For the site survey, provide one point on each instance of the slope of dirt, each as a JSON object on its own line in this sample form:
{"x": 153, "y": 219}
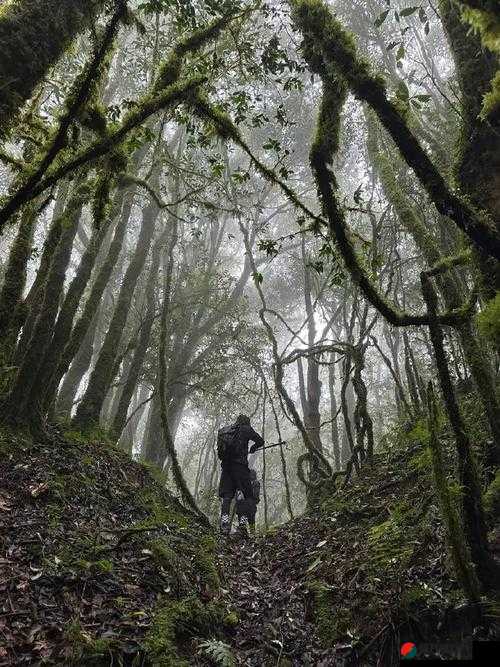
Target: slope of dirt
{"x": 97, "y": 561}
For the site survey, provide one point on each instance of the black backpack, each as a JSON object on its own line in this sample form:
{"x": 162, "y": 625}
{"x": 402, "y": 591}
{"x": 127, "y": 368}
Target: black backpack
{"x": 227, "y": 442}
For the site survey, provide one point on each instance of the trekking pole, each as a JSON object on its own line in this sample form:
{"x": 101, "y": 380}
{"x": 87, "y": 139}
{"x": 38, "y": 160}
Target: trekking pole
{"x": 276, "y": 444}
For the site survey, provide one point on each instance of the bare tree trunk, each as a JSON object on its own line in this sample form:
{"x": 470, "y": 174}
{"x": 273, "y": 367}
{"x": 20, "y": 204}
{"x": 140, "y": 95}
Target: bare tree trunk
{"x": 334, "y": 412}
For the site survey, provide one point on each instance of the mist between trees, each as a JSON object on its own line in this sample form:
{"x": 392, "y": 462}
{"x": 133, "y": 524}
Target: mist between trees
{"x": 289, "y": 210}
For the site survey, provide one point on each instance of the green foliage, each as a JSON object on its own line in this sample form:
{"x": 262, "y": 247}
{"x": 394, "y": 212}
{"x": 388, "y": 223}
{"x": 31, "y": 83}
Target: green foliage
{"x": 421, "y": 461}
{"x": 488, "y": 320}
{"x": 487, "y": 24}
{"x": 219, "y": 653}
{"x": 419, "y": 433}
{"x": 390, "y": 542}
{"x": 84, "y": 646}
{"x": 334, "y": 622}
{"x": 174, "y": 623}
{"x": 492, "y": 498}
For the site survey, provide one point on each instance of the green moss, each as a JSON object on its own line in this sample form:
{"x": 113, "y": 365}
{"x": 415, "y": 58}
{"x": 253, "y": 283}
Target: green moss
{"x": 85, "y": 648}
{"x": 231, "y": 619}
{"x": 421, "y": 461}
{"x": 174, "y": 623}
{"x": 488, "y": 320}
{"x": 491, "y": 101}
{"x": 492, "y": 498}
{"x": 333, "y": 622}
{"x": 388, "y": 541}
{"x": 204, "y": 563}
{"x": 419, "y": 433}
{"x": 487, "y": 24}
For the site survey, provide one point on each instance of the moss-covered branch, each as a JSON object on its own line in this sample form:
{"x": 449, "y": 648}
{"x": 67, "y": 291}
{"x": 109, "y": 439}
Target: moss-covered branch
{"x": 335, "y": 53}
{"x": 334, "y": 215}
{"x": 484, "y": 16}
{"x": 167, "y": 91}
{"x": 33, "y": 36}
{"x": 82, "y": 90}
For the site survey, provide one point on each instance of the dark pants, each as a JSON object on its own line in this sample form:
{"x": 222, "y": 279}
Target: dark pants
{"x": 234, "y": 477}
{"x": 251, "y": 513}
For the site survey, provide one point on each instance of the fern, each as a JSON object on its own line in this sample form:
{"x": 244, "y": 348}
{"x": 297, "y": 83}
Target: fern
{"x": 219, "y": 653}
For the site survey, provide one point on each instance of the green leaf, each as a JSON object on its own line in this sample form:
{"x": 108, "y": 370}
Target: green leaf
{"x": 400, "y": 54}
{"x": 402, "y": 91}
{"x": 272, "y": 145}
{"x": 408, "y": 11}
{"x": 390, "y": 46}
{"x": 258, "y": 277}
{"x": 358, "y": 198}
{"x": 422, "y": 98}
{"x": 381, "y": 18}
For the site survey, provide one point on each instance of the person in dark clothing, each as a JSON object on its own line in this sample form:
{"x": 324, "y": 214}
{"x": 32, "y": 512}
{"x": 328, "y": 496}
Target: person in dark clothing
{"x": 254, "y": 501}
{"x": 235, "y": 473}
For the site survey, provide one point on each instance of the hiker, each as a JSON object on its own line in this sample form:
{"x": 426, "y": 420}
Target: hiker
{"x": 254, "y": 501}
{"x": 232, "y": 449}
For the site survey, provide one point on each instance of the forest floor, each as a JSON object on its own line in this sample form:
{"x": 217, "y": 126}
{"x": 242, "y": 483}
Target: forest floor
{"x": 100, "y": 565}
{"x": 265, "y": 580}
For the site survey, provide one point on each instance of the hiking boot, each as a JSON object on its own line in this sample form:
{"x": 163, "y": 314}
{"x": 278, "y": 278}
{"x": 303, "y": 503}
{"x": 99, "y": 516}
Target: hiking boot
{"x": 225, "y": 525}
{"x": 243, "y": 528}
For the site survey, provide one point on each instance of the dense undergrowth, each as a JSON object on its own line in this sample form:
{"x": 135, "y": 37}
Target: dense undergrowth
{"x": 100, "y": 564}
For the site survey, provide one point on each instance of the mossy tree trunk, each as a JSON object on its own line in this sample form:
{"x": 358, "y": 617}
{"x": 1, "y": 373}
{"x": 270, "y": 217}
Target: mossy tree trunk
{"x": 134, "y": 371}
{"x": 15, "y": 273}
{"x": 123, "y": 202}
{"x": 334, "y": 412}
{"x": 30, "y": 308}
{"x": 471, "y": 498}
{"x": 89, "y": 408}
{"x": 478, "y": 164}
{"x": 454, "y": 528}
{"x": 74, "y": 376}
{"x": 69, "y": 307}
{"x": 477, "y": 361}
{"x": 19, "y": 406}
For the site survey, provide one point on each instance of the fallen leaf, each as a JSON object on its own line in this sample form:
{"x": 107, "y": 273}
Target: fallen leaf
{"x": 37, "y": 489}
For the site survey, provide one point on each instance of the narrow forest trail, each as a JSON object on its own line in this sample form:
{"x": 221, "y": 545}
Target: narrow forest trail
{"x": 264, "y": 582}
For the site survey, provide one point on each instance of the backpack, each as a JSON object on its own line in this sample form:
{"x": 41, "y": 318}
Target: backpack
{"x": 227, "y": 442}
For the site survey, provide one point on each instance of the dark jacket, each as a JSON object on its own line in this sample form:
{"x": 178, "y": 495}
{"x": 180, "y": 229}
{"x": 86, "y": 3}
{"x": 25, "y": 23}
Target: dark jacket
{"x": 245, "y": 435}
